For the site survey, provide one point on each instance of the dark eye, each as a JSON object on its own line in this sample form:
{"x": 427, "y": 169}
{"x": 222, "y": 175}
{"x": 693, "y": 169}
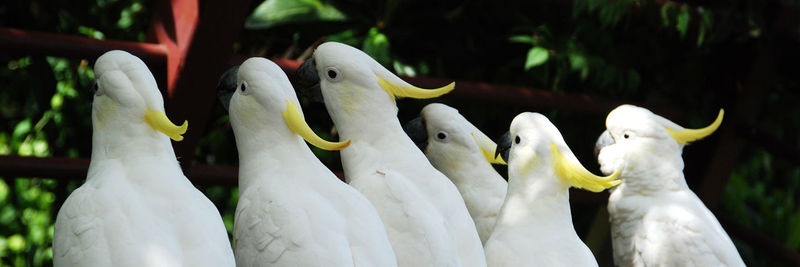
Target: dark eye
{"x": 441, "y": 135}
{"x": 332, "y": 74}
{"x": 626, "y": 136}
{"x": 517, "y": 140}
{"x": 244, "y": 87}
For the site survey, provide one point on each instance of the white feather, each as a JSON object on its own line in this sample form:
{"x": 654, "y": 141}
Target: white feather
{"x": 136, "y": 207}
{"x": 459, "y": 157}
{"x": 292, "y": 210}
{"x": 534, "y": 227}
{"x": 656, "y": 220}
{"x": 421, "y": 208}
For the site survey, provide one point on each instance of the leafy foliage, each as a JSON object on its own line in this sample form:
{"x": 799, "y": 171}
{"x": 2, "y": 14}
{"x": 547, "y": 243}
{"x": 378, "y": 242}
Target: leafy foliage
{"x": 692, "y": 56}
{"x": 276, "y": 12}
{"x": 46, "y": 112}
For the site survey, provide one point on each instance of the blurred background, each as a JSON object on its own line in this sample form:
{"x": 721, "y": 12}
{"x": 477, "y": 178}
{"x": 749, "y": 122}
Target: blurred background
{"x": 573, "y": 61}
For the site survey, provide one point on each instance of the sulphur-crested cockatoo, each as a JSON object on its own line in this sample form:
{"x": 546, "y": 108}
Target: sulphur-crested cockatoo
{"x": 656, "y": 220}
{"x": 534, "y": 227}
{"x": 292, "y": 210}
{"x": 464, "y": 154}
{"x": 425, "y": 216}
{"x": 136, "y": 207}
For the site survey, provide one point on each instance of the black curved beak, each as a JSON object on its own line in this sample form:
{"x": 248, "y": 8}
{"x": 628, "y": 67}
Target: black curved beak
{"x": 227, "y": 86}
{"x": 418, "y": 132}
{"x": 604, "y": 140}
{"x": 93, "y": 89}
{"x": 503, "y": 146}
{"x": 306, "y": 82}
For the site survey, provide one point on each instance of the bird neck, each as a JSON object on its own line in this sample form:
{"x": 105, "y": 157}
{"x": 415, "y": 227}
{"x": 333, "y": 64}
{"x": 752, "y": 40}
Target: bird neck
{"x": 472, "y": 173}
{"x": 364, "y": 120}
{"x": 381, "y": 148}
{"x": 540, "y": 198}
{"x": 377, "y": 138}
{"x": 130, "y": 141}
{"x": 269, "y": 150}
{"x": 661, "y": 176}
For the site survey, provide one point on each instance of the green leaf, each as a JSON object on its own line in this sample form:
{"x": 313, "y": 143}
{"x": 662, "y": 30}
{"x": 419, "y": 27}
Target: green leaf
{"x": 7, "y": 214}
{"x": 5, "y": 147}
{"x": 91, "y": 32}
{"x": 40, "y": 148}
{"x": 271, "y": 13}
{"x": 3, "y": 246}
{"x": 577, "y": 61}
{"x": 404, "y": 69}
{"x": 347, "y": 37}
{"x": 706, "y": 24}
{"x": 16, "y": 243}
{"x": 22, "y": 129}
{"x": 682, "y": 23}
{"x": 536, "y": 56}
{"x": 665, "y": 13}
{"x": 126, "y": 15}
{"x": 525, "y": 39}
{"x": 56, "y": 101}
{"x": 25, "y": 149}
{"x": 376, "y": 45}
{"x": 3, "y": 191}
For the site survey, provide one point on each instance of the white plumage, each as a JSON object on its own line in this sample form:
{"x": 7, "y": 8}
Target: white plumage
{"x": 656, "y": 220}
{"x": 425, "y": 216}
{"x": 136, "y": 207}
{"x": 464, "y": 154}
{"x": 534, "y": 227}
{"x": 292, "y": 210}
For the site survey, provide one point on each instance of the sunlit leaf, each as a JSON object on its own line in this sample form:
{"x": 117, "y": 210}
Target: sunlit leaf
{"x": 682, "y": 22}
{"x": 706, "y": 24}
{"x": 3, "y": 191}
{"x": 25, "y": 149}
{"x": 40, "y": 148}
{"x": 23, "y": 128}
{"x": 16, "y": 243}
{"x": 404, "y": 69}
{"x": 347, "y": 37}
{"x": 271, "y": 13}
{"x": 536, "y": 56}
{"x": 3, "y": 246}
{"x": 525, "y": 39}
{"x": 91, "y": 33}
{"x": 376, "y": 45}
{"x": 56, "y": 101}
{"x": 126, "y": 15}
{"x": 19, "y": 64}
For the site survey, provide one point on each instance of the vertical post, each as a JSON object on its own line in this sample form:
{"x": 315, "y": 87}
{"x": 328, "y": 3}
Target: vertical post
{"x": 199, "y": 42}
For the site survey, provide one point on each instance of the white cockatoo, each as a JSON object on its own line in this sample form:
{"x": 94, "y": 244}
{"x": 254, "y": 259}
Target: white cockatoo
{"x": 656, "y": 220}
{"x": 292, "y": 210}
{"x": 464, "y": 154}
{"x": 136, "y": 207}
{"x": 425, "y": 216}
{"x": 534, "y": 227}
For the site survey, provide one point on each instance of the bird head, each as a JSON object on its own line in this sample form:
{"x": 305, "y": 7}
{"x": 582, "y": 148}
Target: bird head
{"x": 637, "y": 141}
{"x": 448, "y": 139}
{"x": 258, "y": 96}
{"x": 352, "y": 82}
{"x": 534, "y": 145}
{"x": 127, "y": 100}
